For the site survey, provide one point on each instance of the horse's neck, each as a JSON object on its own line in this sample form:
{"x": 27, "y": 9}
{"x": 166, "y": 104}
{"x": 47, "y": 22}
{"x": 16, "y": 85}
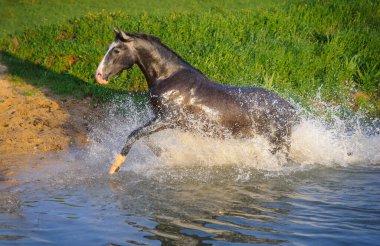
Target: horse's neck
{"x": 158, "y": 62}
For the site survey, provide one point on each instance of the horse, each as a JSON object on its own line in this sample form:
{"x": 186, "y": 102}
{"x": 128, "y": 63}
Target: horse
{"x": 182, "y": 97}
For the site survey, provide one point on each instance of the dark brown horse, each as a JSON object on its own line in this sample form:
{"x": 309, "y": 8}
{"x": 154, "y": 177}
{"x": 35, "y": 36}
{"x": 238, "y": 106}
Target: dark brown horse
{"x": 182, "y": 97}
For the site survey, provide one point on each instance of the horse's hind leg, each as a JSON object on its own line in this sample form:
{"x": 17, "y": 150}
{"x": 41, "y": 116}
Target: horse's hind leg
{"x": 152, "y": 126}
{"x": 280, "y": 141}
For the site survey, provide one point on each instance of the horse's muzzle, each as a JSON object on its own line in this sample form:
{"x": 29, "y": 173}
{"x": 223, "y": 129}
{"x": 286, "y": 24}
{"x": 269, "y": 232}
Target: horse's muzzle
{"x": 99, "y": 78}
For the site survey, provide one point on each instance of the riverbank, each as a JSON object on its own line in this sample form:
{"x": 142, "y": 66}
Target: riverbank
{"x": 34, "y": 121}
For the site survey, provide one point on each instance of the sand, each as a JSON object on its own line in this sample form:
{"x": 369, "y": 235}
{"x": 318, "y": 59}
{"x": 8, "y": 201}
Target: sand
{"x": 33, "y": 121}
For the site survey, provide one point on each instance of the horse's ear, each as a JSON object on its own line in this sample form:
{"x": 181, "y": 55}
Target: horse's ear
{"x": 116, "y": 30}
{"x": 125, "y": 37}
{"x": 122, "y": 35}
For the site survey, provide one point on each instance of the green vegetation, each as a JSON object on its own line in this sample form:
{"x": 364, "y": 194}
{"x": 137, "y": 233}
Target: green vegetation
{"x": 18, "y": 15}
{"x": 300, "y": 49}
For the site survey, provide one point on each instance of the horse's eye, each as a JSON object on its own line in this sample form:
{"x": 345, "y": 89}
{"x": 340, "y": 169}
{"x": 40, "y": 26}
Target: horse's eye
{"x": 116, "y": 51}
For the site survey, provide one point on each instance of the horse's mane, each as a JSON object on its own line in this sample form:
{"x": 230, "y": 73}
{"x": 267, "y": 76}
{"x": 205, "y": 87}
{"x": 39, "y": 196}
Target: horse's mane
{"x": 146, "y": 37}
{"x": 158, "y": 42}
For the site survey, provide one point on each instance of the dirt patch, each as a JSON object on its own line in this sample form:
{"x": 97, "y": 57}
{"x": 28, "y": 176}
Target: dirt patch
{"x": 34, "y": 122}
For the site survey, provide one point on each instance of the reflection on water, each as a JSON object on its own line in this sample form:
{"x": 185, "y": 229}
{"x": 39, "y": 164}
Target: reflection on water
{"x": 324, "y": 205}
{"x": 197, "y": 191}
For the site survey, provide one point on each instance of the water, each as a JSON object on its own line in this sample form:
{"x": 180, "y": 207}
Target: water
{"x": 180, "y": 189}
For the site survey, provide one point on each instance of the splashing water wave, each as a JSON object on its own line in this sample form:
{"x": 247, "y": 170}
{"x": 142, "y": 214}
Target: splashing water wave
{"x": 313, "y": 143}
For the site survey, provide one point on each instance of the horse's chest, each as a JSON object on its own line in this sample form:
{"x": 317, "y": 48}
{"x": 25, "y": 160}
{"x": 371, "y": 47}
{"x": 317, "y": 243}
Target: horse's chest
{"x": 170, "y": 100}
{"x": 184, "y": 103}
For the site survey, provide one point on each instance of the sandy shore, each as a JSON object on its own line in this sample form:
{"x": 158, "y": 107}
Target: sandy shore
{"x": 33, "y": 121}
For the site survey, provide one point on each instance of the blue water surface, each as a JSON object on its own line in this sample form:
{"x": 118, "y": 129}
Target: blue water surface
{"x": 317, "y": 206}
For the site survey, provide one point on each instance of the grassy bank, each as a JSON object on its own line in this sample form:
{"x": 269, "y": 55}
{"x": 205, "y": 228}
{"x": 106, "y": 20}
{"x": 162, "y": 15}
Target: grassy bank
{"x": 311, "y": 51}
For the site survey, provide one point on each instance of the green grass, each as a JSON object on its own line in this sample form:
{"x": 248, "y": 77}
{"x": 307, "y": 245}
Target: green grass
{"x": 18, "y": 15}
{"x": 300, "y": 49}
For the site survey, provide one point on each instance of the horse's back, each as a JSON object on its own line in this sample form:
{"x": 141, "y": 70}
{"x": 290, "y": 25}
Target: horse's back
{"x": 270, "y": 114}
{"x": 257, "y": 98}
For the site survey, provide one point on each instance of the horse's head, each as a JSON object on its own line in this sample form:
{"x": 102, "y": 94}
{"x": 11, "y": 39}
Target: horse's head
{"x": 119, "y": 56}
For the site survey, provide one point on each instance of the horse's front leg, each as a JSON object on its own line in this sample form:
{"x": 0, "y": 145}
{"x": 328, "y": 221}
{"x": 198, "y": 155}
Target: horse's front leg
{"x": 154, "y": 125}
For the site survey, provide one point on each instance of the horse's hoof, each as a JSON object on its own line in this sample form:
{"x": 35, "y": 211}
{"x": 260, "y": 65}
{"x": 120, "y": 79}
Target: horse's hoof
{"x": 116, "y": 164}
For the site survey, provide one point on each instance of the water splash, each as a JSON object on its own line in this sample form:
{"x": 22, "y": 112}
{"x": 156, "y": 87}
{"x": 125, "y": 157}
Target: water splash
{"x": 314, "y": 143}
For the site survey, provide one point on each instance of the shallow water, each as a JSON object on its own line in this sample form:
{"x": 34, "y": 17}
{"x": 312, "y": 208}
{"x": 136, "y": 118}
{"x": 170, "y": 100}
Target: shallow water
{"x": 318, "y": 206}
{"x": 194, "y": 191}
